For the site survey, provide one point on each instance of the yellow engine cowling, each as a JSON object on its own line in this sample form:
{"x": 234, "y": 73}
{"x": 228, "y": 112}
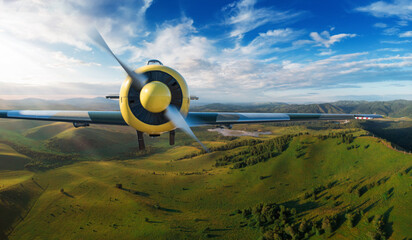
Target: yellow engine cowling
{"x": 144, "y": 116}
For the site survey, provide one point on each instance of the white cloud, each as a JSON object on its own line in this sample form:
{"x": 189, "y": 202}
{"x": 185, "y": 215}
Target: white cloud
{"x": 406, "y": 34}
{"x": 34, "y": 20}
{"x": 326, "y": 53}
{"x": 398, "y": 8}
{"x": 239, "y": 72}
{"x": 246, "y": 70}
{"x": 56, "y": 90}
{"x": 245, "y": 17}
{"x": 61, "y": 60}
{"x": 43, "y": 44}
{"x": 25, "y": 62}
{"x": 403, "y": 23}
{"x": 326, "y": 40}
{"x": 174, "y": 43}
{"x": 265, "y": 43}
{"x": 390, "y": 49}
{"x": 380, "y": 25}
{"x": 391, "y": 31}
{"x": 68, "y": 21}
{"x": 396, "y": 41}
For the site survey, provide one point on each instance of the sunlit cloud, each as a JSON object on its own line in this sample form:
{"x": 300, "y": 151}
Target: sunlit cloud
{"x": 380, "y": 25}
{"x": 327, "y": 40}
{"x": 406, "y": 34}
{"x": 397, "y": 8}
{"x": 244, "y": 16}
{"x": 259, "y": 52}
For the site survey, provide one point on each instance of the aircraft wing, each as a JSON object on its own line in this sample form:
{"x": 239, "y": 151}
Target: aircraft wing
{"x": 79, "y": 117}
{"x": 227, "y": 118}
{"x": 193, "y": 118}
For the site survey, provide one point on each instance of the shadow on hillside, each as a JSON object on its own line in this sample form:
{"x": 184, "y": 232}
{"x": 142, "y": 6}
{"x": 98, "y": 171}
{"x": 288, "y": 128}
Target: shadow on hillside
{"x": 15, "y": 203}
{"x": 302, "y": 207}
{"x": 142, "y": 194}
{"x": 388, "y": 225}
{"x": 368, "y": 208}
{"x": 169, "y": 210}
{"x": 264, "y": 177}
{"x": 213, "y": 235}
{"x": 37, "y": 184}
{"x": 68, "y": 194}
{"x": 3, "y": 236}
{"x": 219, "y": 229}
{"x": 212, "y": 232}
{"x": 153, "y": 221}
{"x": 392, "y": 131}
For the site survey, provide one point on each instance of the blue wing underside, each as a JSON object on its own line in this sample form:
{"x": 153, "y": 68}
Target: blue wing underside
{"x": 193, "y": 118}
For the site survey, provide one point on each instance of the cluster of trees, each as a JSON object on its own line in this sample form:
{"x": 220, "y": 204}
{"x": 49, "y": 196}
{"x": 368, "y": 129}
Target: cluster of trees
{"x": 256, "y": 152}
{"x": 45, "y": 161}
{"x": 300, "y": 150}
{"x": 345, "y": 137}
{"x": 42, "y": 160}
{"x": 317, "y": 190}
{"x": 270, "y": 218}
{"x": 228, "y": 146}
{"x": 359, "y": 191}
{"x": 279, "y": 222}
{"x": 352, "y": 217}
{"x": 379, "y": 232}
{"x": 353, "y": 147}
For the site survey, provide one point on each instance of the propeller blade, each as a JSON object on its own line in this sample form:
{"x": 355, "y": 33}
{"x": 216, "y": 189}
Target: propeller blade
{"x": 139, "y": 80}
{"x": 174, "y": 115}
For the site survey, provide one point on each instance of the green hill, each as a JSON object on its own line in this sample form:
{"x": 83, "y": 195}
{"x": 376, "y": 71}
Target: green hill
{"x": 398, "y": 132}
{"x": 16, "y": 200}
{"x": 319, "y": 184}
{"x": 10, "y": 159}
{"x": 47, "y": 131}
{"x": 100, "y": 142}
{"x": 397, "y": 108}
{"x": 163, "y": 197}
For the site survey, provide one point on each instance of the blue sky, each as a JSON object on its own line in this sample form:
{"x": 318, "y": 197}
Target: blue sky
{"x": 228, "y": 51}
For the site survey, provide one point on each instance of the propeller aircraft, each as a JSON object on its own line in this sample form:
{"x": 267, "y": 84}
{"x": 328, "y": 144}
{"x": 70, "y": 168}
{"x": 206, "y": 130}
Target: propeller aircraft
{"x": 154, "y": 99}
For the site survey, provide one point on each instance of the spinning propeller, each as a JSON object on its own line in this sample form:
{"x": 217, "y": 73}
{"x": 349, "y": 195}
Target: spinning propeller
{"x": 155, "y": 96}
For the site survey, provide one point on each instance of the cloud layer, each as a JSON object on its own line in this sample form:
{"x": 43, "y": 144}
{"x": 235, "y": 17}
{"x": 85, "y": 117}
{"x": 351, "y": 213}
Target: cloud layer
{"x": 259, "y": 54}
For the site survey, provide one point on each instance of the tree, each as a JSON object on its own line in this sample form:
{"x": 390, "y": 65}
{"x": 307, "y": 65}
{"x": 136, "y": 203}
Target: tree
{"x": 293, "y": 212}
{"x": 303, "y": 227}
{"x": 327, "y": 225}
{"x": 350, "y": 219}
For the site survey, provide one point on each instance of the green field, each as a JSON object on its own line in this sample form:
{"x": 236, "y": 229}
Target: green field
{"x": 167, "y": 195}
{"x": 10, "y": 159}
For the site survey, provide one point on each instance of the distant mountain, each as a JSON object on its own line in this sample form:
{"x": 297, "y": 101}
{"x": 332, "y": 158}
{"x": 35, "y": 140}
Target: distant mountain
{"x": 67, "y": 104}
{"x": 397, "y": 108}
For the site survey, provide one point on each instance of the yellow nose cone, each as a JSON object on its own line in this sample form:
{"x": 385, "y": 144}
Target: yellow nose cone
{"x": 155, "y": 96}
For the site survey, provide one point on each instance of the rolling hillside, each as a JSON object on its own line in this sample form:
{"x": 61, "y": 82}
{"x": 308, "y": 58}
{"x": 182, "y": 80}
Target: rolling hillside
{"x": 397, "y": 108}
{"x": 170, "y": 195}
{"x": 312, "y": 180}
{"x": 10, "y": 159}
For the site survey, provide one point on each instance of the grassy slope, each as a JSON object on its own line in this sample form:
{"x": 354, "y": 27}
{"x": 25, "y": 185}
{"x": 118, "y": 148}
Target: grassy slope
{"x": 10, "y": 178}
{"x": 16, "y": 201}
{"x": 46, "y": 131}
{"x": 397, "y": 131}
{"x": 10, "y": 159}
{"x": 188, "y": 204}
